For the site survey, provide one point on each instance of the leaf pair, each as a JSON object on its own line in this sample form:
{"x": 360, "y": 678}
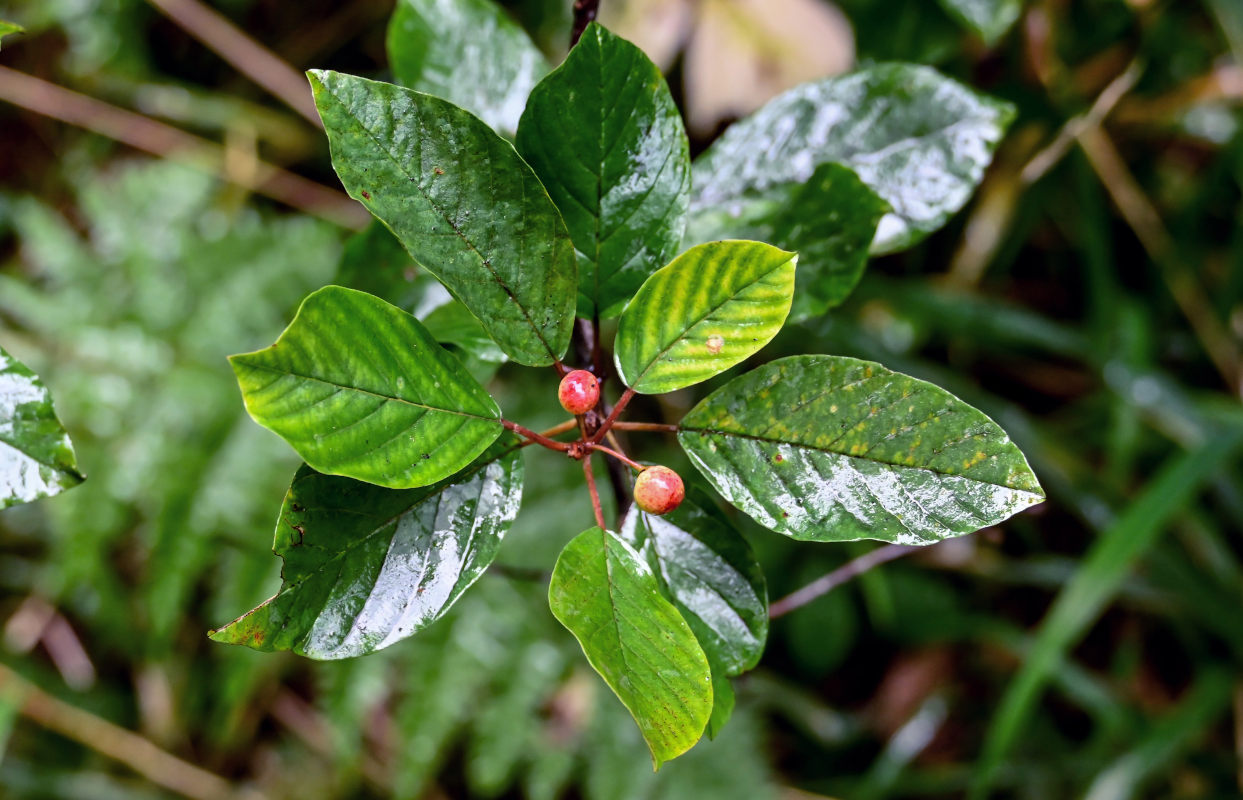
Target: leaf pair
{"x": 665, "y": 612}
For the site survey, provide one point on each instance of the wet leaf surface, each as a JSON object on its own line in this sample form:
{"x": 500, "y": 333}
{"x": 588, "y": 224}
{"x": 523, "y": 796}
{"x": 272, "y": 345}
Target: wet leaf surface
{"x": 989, "y": 18}
{"x": 605, "y": 594}
{"x": 829, "y": 221}
{"x": 919, "y": 139}
{"x": 366, "y": 566}
{"x": 360, "y": 388}
{"x": 709, "y": 572}
{"x": 604, "y": 135}
{"x": 464, "y": 205}
{"x": 468, "y": 52}
{"x": 830, "y": 448}
{"x": 36, "y": 456}
{"x": 710, "y": 308}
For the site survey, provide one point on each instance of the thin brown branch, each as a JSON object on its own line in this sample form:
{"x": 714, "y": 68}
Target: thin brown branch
{"x": 595, "y": 495}
{"x": 537, "y": 438}
{"x": 843, "y": 574}
{"x": 1149, "y": 228}
{"x": 557, "y": 430}
{"x": 245, "y": 54}
{"x": 622, "y": 402}
{"x": 157, "y": 138}
{"x": 622, "y": 457}
{"x": 139, "y": 754}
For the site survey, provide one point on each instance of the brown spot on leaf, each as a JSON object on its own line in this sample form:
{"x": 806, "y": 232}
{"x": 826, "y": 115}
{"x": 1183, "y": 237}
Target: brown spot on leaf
{"x": 438, "y": 170}
{"x": 779, "y": 458}
{"x": 715, "y": 343}
{"x": 366, "y": 195}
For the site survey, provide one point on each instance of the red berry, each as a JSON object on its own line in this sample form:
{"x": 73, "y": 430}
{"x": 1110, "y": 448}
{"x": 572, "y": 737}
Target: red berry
{"x": 658, "y": 490}
{"x": 579, "y": 392}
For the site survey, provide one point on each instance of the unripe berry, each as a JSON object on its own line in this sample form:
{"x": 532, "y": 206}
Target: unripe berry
{"x": 658, "y": 490}
{"x": 579, "y": 392}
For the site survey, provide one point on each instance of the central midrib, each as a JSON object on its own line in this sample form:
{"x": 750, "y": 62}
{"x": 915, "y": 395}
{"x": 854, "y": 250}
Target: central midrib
{"x": 360, "y": 390}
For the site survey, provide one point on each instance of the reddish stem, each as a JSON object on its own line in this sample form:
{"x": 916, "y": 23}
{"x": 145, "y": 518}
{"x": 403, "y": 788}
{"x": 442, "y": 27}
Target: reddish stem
{"x": 622, "y": 457}
{"x": 613, "y": 415}
{"x": 538, "y": 438}
{"x": 595, "y": 495}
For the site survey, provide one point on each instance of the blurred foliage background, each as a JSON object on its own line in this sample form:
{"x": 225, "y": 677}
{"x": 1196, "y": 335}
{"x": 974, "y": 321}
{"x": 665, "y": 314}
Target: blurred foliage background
{"x": 1090, "y": 298}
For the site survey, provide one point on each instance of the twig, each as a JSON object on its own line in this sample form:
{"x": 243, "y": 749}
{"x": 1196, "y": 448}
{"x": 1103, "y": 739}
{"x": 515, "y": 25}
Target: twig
{"x": 622, "y": 457}
{"x": 245, "y": 54}
{"x": 843, "y": 574}
{"x": 585, "y": 11}
{"x": 134, "y": 751}
{"x": 622, "y": 402}
{"x": 144, "y": 133}
{"x": 595, "y": 495}
{"x": 557, "y": 430}
{"x": 1146, "y": 222}
{"x": 537, "y": 438}
{"x": 1055, "y": 151}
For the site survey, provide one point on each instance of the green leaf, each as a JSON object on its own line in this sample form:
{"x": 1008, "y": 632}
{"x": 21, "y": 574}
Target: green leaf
{"x": 709, "y": 309}
{"x": 606, "y": 596}
{"x": 828, "y": 448}
{"x": 36, "y": 456}
{"x": 829, "y": 221}
{"x": 604, "y": 135}
{"x": 373, "y": 261}
{"x": 709, "y": 572}
{"x": 360, "y": 388}
{"x": 468, "y": 52}
{"x": 920, "y": 140}
{"x": 989, "y": 18}
{"x": 722, "y": 703}
{"x": 366, "y": 566}
{"x": 464, "y": 205}
{"x": 7, "y": 28}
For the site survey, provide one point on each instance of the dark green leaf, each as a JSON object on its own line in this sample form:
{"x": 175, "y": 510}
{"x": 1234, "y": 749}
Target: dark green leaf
{"x": 462, "y": 202}
{"x": 989, "y": 18}
{"x": 468, "y": 52}
{"x": 830, "y": 448}
{"x": 829, "y": 221}
{"x": 709, "y": 572}
{"x": 604, "y": 135}
{"x": 366, "y": 566}
{"x": 7, "y": 28}
{"x": 712, "y": 307}
{"x": 605, "y": 594}
{"x": 920, "y": 140}
{"x": 361, "y": 389}
{"x": 36, "y": 456}
{"x": 373, "y": 261}
{"x": 722, "y": 703}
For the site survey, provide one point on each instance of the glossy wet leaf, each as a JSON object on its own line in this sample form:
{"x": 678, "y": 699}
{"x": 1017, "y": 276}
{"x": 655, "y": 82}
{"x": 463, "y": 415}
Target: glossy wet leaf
{"x": 36, "y": 456}
{"x": 830, "y": 448}
{"x": 604, "y": 135}
{"x": 468, "y": 52}
{"x": 365, "y": 566}
{"x": 604, "y": 593}
{"x": 722, "y": 703}
{"x": 829, "y": 221}
{"x": 989, "y": 18}
{"x": 462, "y": 202}
{"x": 710, "y": 308}
{"x": 919, "y": 139}
{"x": 360, "y": 388}
{"x": 709, "y": 572}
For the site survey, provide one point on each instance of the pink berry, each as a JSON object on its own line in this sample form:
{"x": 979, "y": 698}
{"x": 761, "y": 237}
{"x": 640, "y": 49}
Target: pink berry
{"x": 579, "y": 392}
{"x": 658, "y": 490}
